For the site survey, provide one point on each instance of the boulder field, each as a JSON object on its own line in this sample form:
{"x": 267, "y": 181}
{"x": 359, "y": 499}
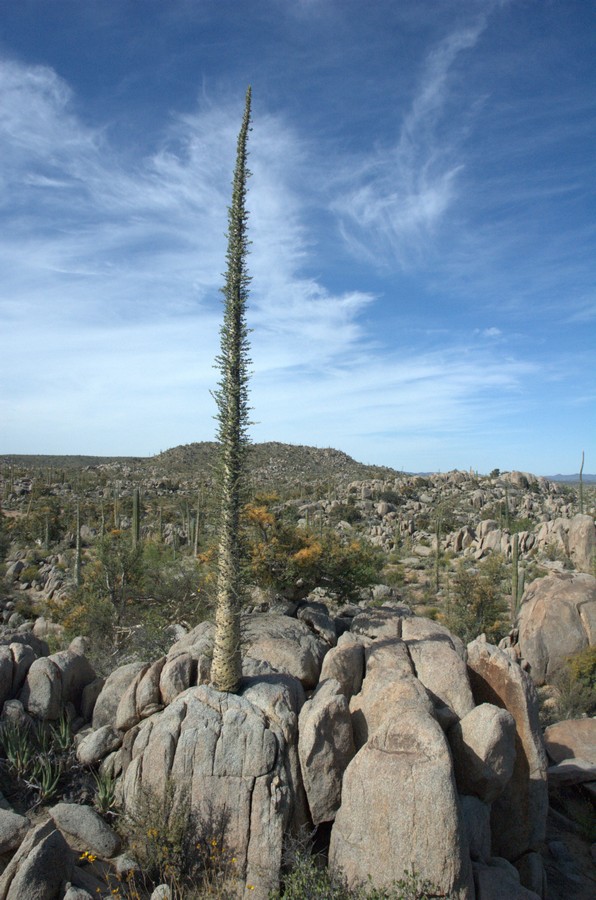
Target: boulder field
{"x": 377, "y": 728}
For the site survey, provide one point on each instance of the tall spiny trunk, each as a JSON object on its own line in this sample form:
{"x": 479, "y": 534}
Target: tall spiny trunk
{"x": 232, "y": 403}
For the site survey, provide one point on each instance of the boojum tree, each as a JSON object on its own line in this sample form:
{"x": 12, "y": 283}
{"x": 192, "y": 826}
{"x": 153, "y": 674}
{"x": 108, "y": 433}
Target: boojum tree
{"x": 232, "y": 416}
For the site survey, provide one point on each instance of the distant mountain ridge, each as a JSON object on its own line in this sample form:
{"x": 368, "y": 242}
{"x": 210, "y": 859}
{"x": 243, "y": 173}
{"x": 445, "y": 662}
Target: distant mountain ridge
{"x": 572, "y": 479}
{"x": 266, "y": 459}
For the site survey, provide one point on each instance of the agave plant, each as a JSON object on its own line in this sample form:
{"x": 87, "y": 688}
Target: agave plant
{"x": 45, "y": 777}
{"x": 19, "y": 747}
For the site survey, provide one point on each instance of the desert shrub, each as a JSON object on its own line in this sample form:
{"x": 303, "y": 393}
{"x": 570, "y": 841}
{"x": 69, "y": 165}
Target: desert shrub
{"x": 176, "y": 585}
{"x": 517, "y": 524}
{"x": 424, "y": 522}
{"x": 115, "y": 574}
{"x": 345, "y": 512}
{"x": 309, "y": 878}
{"x": 176, "y": 847}
{"x": 85, "y": 613}
{"x": 25, "y": 606}
{"x": 287, "y": 558}
{"x": 28, "y": 574}
{"x": 41, "y": 521}
{"x": 394, "y": 574}
{"x": 477, "y": 602}
{"x": 390, "y": 497}
{"x": 128, "y": 596}
{"x": 4, "y": 537}
{"x": 583, "y": 667}
{"x": 295, "y": 556}
{"x": 555, "y": 553}
{"x": 575, "y": 686}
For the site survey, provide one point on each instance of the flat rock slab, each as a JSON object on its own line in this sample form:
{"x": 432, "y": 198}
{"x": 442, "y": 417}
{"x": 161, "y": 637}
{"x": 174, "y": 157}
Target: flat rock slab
{"x": 570, "y": 772}
{"x": 573, "y": 738}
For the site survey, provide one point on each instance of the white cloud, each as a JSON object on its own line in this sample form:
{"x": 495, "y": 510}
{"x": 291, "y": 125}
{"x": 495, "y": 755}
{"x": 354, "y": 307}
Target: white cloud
{"x": 390, "y": 203}
{"x": 113, "y": 270}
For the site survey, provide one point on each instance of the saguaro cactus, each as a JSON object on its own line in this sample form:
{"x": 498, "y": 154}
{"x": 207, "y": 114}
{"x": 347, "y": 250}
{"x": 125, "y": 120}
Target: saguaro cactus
{"x": 77, "y": 566}
{"x": 136, "y": 517}
{"x": 518, "y": 578}
{"x": 232, "y": 404}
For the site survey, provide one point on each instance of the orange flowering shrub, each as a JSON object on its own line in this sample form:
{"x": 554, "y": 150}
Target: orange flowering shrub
{"x": 295, "y": 560}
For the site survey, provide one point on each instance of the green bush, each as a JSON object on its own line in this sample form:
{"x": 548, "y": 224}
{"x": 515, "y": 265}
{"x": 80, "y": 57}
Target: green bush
{"x": 345, "y": 512}
{"x": 128, "y": 596}
{"x": 575, "y": 686}
{"x": 583, "y": 667}
{"x": 390, "y": 497}
{"x": 174, "y": 846}
{"x": 4, "y": 538}
{"x": 309, "y": 879}
{"x": 28, "y": 574}
{"x": 296, "y": 558}
{"x": 477, "y": 601}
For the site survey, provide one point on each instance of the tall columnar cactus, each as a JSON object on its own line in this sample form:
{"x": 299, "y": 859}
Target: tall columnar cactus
{"x": 514, "y": 575}
{"x": 507, "y": 509}
{"x": 77, "y": 566}
{"x": 136, "y": 517}
{"x": 232, "y": 405}
{"x": 581, "y": 486}
{"x": 116, "y": 507}
{"x": 518, "y": 578}
{"x": 197, "y": 527}
{"x": 438, "y": 525}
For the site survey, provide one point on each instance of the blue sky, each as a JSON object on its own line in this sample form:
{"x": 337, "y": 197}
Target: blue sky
{"x": 422, "y": 212}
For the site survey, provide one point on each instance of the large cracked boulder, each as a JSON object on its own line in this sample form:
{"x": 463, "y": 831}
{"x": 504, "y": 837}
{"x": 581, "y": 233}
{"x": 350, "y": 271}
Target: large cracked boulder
{"x": 443, "y": 673}
{"x": 288, "y": 645}
{"x": 15, "y": 661}
{"x": 557, "y": 619}
{"x": 400, "y": 811}
{"x": 226, "y": 760}
{"x": 86, "y": 829}
{"x": 345, "y": 664}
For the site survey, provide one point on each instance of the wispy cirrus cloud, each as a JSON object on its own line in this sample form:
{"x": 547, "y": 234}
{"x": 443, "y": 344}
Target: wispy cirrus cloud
{"x": 103, "y": 253}
{"x": 391, "y": 201}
